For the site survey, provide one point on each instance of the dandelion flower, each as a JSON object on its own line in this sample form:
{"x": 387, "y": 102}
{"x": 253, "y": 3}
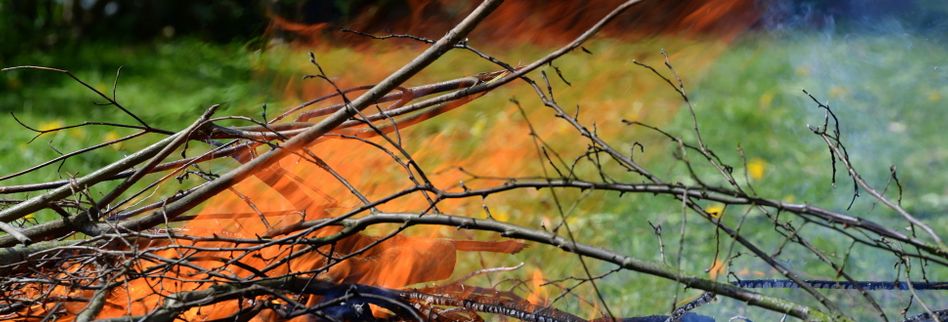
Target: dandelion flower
{"x": 50, "y": 125}
{"x": 756, "y": 168}
{"x": 112, "y": 136}
{"x": 716, "y": 210}
{"x": 934, "y": 96}
{"x": 766, "y": 99}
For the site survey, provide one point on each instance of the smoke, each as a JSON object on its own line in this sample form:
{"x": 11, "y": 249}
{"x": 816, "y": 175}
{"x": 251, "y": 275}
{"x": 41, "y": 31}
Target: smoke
{"x": 881, "y": 66}
{"x": 917, "y": 17}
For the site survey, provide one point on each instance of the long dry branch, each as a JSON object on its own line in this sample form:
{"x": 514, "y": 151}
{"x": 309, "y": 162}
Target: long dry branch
{"x": 324, "y": 126}
{"x": 272, "y": 130}
{"x": 353, "y": 226}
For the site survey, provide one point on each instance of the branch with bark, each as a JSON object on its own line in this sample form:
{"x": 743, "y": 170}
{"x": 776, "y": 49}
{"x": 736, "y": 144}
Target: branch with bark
{"x": 133, "y": 254}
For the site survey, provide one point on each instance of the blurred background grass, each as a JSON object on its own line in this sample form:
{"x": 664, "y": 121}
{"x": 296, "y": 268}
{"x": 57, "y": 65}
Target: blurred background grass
{"x": 888, "y": 89}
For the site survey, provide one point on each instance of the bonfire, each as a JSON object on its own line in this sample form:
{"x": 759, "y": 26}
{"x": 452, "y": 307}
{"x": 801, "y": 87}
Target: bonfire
{"x": 333, "y": 210}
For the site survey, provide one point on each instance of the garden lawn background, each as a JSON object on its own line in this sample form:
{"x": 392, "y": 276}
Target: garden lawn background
{"x": 889, "y": 93}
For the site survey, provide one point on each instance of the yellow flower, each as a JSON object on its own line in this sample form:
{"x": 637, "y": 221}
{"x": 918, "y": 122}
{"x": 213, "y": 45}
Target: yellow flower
{"x": 112, "y": 136}
{"x": 803, "y": 71}
{"x": 501, "y": 216}
{"x": 479, "y": 125}
{"x": 755, "y": 168}
{"x": 934, "y": 96}
{"x": 715, "y": 210}
{"x": 78, "y": 133}
{"x": 766, "y": 99}
{"x": 50, "y": 125}
{"x": 838, "y": 91}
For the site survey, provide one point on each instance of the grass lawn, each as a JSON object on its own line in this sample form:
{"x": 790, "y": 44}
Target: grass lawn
{"x": 747, "y": 94}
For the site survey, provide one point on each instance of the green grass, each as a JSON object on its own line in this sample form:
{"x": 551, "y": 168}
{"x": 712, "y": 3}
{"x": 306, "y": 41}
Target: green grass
{"x": 166, "y": 84}
{"x": 891, "y": 112}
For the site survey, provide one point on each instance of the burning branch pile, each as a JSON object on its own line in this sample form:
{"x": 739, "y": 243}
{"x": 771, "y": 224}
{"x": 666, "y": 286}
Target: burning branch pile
{"x": 307, "y": 215}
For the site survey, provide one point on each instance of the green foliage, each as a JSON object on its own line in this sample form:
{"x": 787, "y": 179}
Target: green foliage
{"x": 31, "y": 26}
{"x": 166, "y": 84}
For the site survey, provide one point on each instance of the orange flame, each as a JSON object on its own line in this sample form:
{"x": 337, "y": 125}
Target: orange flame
{"x": 538, "y": 294}
{"x": 395, "y": 263}
{"x": 297, "y": 190}
{"x": 531, "y": 21}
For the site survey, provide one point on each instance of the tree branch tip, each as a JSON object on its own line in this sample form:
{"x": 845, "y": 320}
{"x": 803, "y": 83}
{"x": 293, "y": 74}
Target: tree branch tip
{"x": 51, "y": 69}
